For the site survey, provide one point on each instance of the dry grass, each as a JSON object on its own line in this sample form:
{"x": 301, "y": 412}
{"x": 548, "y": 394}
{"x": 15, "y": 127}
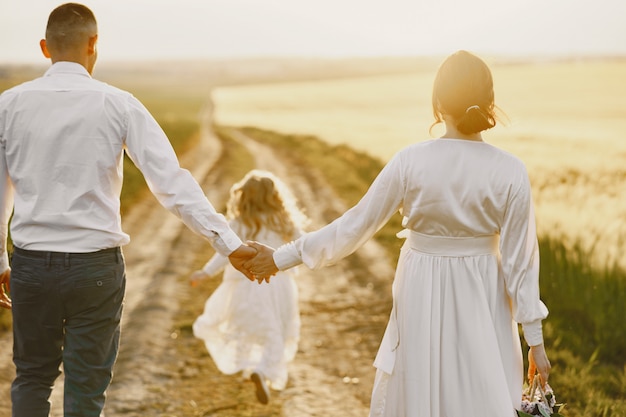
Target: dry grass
{"x": 564, "y": 119}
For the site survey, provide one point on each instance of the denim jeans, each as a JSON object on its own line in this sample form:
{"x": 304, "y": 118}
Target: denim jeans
{"x": 66, "y": 309}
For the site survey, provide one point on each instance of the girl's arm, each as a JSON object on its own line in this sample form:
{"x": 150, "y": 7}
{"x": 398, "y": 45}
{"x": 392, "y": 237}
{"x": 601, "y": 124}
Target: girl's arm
{"x": 213, "y": 267}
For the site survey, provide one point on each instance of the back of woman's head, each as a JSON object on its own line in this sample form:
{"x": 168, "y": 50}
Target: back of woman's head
{"x": 463, "y": 89}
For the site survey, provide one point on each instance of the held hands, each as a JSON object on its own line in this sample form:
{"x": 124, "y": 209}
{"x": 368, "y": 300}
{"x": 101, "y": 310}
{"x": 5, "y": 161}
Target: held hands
{"x": 538, "y": 362}
{"x": 262, "y": 266}
{"x": 242, "y": 254}
{"x": 254, "y": 260}
{"x": 5, "y": 288}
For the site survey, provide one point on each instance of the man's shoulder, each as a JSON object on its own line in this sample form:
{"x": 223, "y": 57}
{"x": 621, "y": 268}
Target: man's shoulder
{"x": 20, "y": 87}
{"x": 109, "y": 88}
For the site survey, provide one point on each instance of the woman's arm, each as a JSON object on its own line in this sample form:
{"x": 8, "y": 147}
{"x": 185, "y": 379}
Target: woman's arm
{"x": 344, "y": 235}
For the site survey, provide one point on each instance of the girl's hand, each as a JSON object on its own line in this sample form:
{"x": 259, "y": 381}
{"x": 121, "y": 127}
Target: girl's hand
{"x": 196, "y": 277}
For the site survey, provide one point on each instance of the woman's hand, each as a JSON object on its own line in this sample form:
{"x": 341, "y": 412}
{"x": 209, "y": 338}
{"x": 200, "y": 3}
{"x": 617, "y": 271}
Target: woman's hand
{"x": 538, "y": 362}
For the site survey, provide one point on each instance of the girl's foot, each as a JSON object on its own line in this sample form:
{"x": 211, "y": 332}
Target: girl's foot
{"x": 262, "y": 392}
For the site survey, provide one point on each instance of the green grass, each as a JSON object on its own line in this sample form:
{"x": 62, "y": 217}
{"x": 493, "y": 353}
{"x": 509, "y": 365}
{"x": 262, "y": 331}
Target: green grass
{"x": 585, "y": 333}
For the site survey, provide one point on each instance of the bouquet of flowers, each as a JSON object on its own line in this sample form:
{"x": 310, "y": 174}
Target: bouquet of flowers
{"x": 537, "y": 401}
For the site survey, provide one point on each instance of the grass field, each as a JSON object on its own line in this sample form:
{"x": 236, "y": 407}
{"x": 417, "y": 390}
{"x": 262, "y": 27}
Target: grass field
{"x": 564, "y": 119}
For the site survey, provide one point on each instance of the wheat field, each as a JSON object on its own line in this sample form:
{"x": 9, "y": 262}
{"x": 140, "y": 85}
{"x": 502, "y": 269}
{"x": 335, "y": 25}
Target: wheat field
{"x": 566, "y": 120}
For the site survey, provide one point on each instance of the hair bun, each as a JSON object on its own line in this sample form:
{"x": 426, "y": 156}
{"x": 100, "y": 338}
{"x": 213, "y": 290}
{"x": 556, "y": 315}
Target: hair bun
{"x": 475, "y": 120}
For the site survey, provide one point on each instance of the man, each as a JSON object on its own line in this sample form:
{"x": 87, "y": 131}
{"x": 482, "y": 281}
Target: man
{"x": 62, "y": 140}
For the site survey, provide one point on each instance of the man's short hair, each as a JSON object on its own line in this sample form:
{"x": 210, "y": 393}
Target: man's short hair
{"x": 69, "y": 25}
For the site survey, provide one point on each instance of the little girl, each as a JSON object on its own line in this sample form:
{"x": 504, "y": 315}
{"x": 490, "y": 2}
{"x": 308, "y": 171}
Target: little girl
{"x": 247, "y": 327}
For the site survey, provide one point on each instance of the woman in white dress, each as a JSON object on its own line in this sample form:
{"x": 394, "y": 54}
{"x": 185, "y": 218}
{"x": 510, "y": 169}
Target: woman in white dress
{"x": 246, "y": 327}
{"x": 467, "y": 273}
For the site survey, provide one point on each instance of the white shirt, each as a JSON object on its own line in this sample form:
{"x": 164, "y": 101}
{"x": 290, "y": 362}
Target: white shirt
{"x": 62, "y": 141}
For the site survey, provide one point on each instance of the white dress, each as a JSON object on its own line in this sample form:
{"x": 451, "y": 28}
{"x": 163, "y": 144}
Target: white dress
{"x": 467, "y": 274}
{"x": 247, "y": 327}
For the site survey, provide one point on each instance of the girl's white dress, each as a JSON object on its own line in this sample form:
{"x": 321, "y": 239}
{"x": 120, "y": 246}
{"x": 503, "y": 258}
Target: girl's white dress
{"x": 248, "y": 327}
{"x": 467, "y": 274}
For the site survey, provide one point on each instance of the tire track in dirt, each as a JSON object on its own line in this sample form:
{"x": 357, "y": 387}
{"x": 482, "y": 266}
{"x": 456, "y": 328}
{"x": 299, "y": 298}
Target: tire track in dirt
{"x": 155, "y": 257}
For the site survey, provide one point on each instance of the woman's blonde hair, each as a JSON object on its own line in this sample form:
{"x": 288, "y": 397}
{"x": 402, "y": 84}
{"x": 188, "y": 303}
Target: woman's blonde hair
{"x": 261, "y": 199}
{"x": 463, "y": 89}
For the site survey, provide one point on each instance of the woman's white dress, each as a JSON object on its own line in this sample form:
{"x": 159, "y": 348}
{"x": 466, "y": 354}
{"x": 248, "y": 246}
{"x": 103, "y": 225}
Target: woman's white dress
{"x": 467, "y": 274}
{"x": 247, "y": 327}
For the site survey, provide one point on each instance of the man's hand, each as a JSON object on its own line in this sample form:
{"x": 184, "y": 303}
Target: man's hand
{"x": 262, "y": 266}
{"x": 5, "y": 288}
{"x": 538, "y": 362}
{"x": 241, "y": 255}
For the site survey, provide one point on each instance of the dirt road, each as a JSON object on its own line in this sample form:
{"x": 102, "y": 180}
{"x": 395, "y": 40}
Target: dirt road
{"x": 343, "y": 308}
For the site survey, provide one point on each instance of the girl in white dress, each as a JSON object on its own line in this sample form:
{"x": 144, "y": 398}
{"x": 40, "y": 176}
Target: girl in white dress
{"x": 246, "y": 327}
{"x": 468, "y": 272}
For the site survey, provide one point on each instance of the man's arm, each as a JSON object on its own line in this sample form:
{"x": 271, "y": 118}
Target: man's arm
{"x": 6, "y": 208}
{"x": 174, "y": 187}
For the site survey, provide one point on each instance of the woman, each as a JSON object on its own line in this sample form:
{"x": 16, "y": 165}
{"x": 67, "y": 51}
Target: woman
{"x": 467, "y": 273}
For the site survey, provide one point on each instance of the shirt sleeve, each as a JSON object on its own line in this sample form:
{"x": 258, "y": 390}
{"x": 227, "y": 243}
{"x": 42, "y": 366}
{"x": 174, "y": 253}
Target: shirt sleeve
{"x": 174, "y": 187}
{"x": 520, "y": 262}
{"x": 6, "y": 200}
{"x": 356, "y": 226}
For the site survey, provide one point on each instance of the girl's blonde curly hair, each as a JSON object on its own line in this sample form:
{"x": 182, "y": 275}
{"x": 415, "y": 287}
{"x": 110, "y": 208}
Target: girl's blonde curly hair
{"x": 262, "y": 199}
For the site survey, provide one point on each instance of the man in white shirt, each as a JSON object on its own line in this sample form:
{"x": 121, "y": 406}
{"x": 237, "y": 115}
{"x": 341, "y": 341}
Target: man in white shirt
{"x": 62, "y": 141}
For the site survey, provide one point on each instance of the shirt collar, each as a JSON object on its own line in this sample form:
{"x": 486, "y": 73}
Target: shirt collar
{"x": 66, "y": 67}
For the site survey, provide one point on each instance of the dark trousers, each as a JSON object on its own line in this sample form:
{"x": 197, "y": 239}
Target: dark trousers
{"x": 66, "y": 309}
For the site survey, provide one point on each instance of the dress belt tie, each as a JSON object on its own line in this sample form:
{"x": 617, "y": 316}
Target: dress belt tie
{"x": 452, "y": 246}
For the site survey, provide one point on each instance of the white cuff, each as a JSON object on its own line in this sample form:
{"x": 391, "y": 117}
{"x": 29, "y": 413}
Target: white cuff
{"x": 533, "y": 333}
{"x": 287, "y": 256}
{"x": 225, "y": 242}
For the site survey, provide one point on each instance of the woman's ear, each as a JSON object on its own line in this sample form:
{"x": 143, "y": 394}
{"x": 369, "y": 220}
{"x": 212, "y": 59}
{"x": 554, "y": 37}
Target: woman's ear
{"x": 44, "y": 48}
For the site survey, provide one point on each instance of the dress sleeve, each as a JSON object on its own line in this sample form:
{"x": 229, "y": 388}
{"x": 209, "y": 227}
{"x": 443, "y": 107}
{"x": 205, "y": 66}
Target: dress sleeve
{"x": 174, "y": 187}
{"x": 350, "y": 231}
{"x": 215, "y": 265}
{"x": 520, "y": 261}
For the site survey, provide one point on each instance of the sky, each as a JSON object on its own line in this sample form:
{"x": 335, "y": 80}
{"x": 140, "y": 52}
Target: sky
{"x": 181, "y": 29}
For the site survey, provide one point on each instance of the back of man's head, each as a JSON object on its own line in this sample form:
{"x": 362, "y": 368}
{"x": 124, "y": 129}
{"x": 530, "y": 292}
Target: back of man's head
{"x": 70, "y": 26}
